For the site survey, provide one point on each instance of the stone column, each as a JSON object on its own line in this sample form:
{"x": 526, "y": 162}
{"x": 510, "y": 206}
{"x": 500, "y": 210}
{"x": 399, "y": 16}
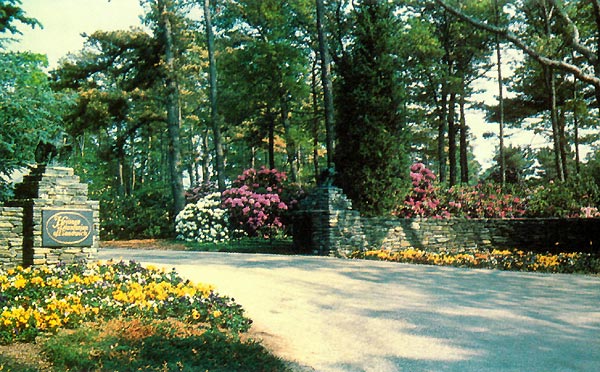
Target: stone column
{"x": 326, "y": 224}
{"x": 54, "y": 189}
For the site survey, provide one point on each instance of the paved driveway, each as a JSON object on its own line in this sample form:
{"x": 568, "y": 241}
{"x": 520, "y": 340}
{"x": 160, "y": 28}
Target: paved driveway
{"x": 347, "y": 315}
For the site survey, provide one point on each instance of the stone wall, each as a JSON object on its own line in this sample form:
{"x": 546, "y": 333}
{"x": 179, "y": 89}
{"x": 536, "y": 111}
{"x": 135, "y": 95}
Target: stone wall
{"x": 47, "y": 188}
{"x": 535, "y": 234}
{"x": 326, "y": 225}
{"x": 11, "y": 236}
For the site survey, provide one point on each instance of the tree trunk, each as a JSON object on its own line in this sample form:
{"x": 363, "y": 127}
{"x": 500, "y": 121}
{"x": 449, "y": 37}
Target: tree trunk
{"x": 452, "y": 138}
{"x": 205, "y": 158}
{"x": 315, "y": 123}
{"x": 172, "y": 103}
{"x": 327, "y": 85}
{"x": 551, "y": 85}
{"x": 464, "y": 150}
{"x": 290, "y": 144}
{"x": 271, "y": 120}
{"x": 214, "y": 114}
{"x": 441, "y": 141}
{"x": 500, "y": 101}
{"x": 576, "y": 127}
{"x": 562, "y": 120}
{"x": 596, "y": 6}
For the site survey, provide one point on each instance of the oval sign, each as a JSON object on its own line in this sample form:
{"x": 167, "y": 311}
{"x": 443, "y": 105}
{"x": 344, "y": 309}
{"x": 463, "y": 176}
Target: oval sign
{"x": 67, "y": 228}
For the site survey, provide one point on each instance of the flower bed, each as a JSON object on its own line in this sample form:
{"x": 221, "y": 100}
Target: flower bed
{"x": 45, "y": 299}
{"x": 496, "y": 259}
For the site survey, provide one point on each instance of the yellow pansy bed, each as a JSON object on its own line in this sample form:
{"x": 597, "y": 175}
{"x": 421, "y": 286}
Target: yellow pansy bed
{"x": 495, "y": 259}
{"x": 37, "y": 300}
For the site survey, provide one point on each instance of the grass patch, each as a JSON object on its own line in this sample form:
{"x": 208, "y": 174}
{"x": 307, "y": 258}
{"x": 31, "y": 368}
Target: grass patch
{"x": 247, "y": 245}
{"x": 10, "y": 364}
{"x": 131, "y": 345}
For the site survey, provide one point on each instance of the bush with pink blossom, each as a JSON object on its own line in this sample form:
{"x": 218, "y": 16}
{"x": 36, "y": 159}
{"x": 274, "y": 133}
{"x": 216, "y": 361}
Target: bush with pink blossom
{"x": 487, "y": 200}
{"x": 422, "y": 201}
{"x": 259, "y": 201}
{"x": 428, "y": 200}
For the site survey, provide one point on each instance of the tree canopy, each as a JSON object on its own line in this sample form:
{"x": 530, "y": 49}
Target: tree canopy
{"x": 207, "y": 89}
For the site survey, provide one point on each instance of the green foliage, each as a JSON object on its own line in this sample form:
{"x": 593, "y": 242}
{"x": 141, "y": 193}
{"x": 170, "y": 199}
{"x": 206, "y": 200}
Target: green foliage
{"x": 563, "y": 199}
{"x": 71, "y": 350}
{"x": 518, "y": 165}
{"x": 248, "y": 245}
{"x": 29, "y": 110}
{"x": 157, "y": 347}
{"x": 146, "y": 213}
{"x": 6, "y": 191}
{"x": 10, "y": 364}
{"x": 371, "y": 155}
{"x": 11, "y": 12}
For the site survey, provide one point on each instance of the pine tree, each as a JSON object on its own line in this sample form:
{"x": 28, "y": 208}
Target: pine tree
{"x": 371, "y": 156}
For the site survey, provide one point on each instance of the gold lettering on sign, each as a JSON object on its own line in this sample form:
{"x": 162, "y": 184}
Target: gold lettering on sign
{"x": 68, "y": 227}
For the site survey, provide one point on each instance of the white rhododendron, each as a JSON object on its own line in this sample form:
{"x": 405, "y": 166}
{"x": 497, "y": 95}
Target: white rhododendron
{"x": 204, "y": 221}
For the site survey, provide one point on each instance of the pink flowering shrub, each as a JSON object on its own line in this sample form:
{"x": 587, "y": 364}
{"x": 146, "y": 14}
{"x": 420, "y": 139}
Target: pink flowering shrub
{"x": 483, "y": 201}
{"x": 258, "y": 202}
{"x": 422, "y": 201}
{"x": 427, "y": 199}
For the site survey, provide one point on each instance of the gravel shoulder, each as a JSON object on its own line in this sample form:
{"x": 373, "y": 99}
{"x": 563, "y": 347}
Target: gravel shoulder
{"x": 354, "y": 315}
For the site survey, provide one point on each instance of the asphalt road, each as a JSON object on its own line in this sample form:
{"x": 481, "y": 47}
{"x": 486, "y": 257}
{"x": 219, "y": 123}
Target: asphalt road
{"x": 352, "y": 315}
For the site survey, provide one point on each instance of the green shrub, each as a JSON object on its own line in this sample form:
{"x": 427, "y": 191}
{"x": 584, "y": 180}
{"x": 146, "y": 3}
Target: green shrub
{"x": 146, "y": 213}
{"x": 71, "y": 350}
{"x": 6, "y": 190}
{"x": 156, "y": 346}
{"x": 563, "y": 199}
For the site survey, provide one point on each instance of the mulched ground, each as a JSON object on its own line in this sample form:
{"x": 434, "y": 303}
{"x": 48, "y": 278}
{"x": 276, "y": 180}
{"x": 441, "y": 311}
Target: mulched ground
{"x": 155, "y": 244}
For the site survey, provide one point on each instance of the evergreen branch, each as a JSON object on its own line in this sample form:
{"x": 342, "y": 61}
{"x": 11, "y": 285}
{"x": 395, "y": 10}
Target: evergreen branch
{"x": 514, "y": 39}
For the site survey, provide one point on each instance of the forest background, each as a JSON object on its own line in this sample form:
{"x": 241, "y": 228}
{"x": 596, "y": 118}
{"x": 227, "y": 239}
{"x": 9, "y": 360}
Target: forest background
{"x": 203, "y": 90}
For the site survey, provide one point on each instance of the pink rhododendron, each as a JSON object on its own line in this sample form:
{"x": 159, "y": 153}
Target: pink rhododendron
{"x": 422, "y": 201}
{"x": 255, "y": 202}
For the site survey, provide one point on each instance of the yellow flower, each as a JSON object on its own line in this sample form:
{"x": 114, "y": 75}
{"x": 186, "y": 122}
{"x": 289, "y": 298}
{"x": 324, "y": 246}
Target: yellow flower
{"x": 20, "y": 282}
{"x": 195, "y": 314}
{"x": 37, "y": 281}
{"x": 217, "y": 313}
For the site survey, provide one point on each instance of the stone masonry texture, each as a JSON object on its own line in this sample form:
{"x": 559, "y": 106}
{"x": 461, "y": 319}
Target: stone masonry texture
{"x": 325, "y": 224}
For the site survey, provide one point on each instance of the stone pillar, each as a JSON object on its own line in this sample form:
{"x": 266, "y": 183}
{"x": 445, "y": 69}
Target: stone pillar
{"x": 325, "y": 224}
{"x": 53, "y": 190}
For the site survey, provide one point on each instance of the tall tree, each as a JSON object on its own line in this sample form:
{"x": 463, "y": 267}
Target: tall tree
{"x": 111, "y": 79}
{"x": 326, "y": 83}
{"x": 453, "y": 55}
{"x": 214, "y": 113}
{"x": 371, "y": 156}
{"x": 500, "y": 99}
{"x": 266, "y": 69}
{"x": 165, "y": 11}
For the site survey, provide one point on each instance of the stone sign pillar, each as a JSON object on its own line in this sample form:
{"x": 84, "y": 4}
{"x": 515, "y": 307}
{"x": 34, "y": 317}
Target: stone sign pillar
{"x": 325, "y": 224}
{"x": 60, "y": 224}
